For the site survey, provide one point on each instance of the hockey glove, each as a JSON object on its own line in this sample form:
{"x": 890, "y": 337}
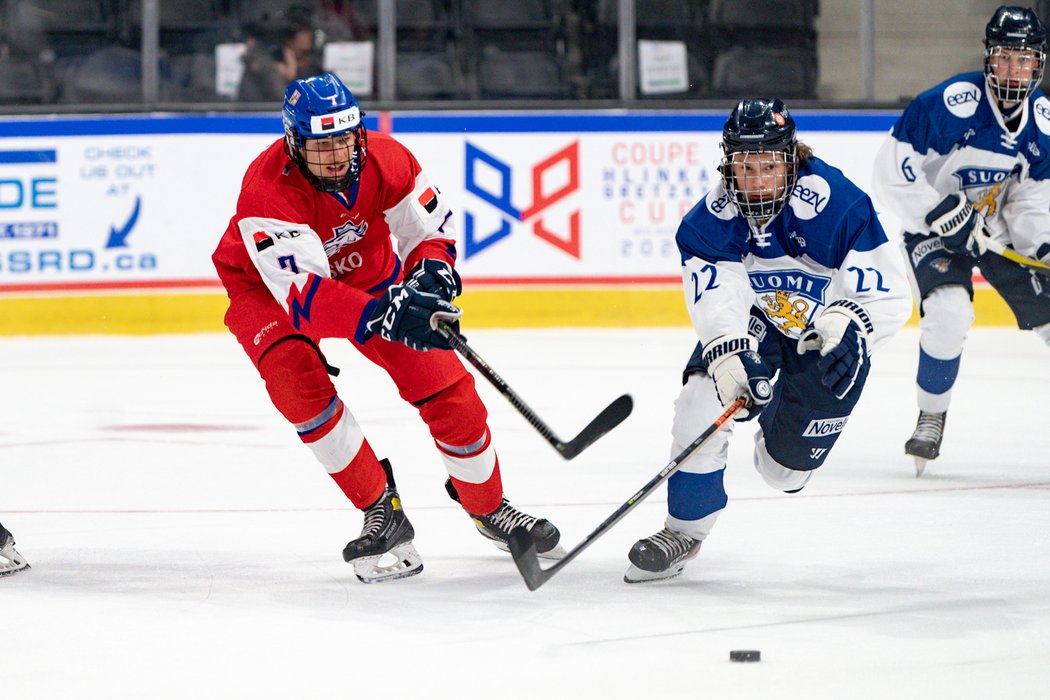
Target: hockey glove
{"x": 738, "y": 371}
{"x": 436, "y": 277}
{"x": 841, "y": 335}
{"x": 959, "y": 225}
{"x": 1043, "y": 253}
{"x": 406, "y": 315}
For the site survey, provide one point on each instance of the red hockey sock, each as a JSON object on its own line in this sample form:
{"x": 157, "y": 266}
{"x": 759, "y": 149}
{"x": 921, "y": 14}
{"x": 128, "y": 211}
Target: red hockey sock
{"x": 456, "y": 418}
{"x": 301, "y": 390}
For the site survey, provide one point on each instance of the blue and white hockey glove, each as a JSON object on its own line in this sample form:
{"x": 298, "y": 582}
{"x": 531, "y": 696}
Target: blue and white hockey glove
{"x": 406, "y": 315}
{"x": 436, "y": 277}
{"x": 738, "y": 371}
{"x": 959, "y": 225}
{"x": 1043, "y": 253}
{"x": 841, "y": 335}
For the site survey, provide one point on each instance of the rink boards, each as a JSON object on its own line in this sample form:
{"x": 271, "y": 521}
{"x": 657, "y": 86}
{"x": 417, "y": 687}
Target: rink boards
{"x": 107, "y": 223}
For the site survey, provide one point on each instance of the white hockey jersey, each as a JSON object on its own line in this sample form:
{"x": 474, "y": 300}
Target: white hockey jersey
{"x": 826, "y": 245}
{"x": 952, "y": 138}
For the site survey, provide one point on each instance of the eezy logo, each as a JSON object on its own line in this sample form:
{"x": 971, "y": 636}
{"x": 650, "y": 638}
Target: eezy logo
{"x": 567, "y": 157}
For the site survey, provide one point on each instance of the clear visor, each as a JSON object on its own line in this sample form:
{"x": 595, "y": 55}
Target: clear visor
{"x": 759, "y": 182}
{"x": 1013, "y": 71}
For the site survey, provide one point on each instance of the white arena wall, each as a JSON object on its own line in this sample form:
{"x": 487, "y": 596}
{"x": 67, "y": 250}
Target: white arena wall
{"x": 107, "y": 223}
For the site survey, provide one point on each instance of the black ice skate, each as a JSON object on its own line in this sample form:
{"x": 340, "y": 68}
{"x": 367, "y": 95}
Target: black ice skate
{"x": 925, "y": 443}
{"x": 660, "y": 556}
{"x": 385, "y": 533}
{"x": 498, "y": 525}
{"x": 10, "y": 560}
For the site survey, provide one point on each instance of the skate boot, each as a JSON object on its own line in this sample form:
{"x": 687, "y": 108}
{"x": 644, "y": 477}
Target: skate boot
{"x": 660, "y": 556}
{"x": 10, "y": 560}
{"x": 386, "y": 534}
{"x": 498, "y": 525}
{"x": 925, "y": 442}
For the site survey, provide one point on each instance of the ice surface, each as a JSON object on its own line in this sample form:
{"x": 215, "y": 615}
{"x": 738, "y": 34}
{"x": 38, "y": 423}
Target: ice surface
{"x": 184, "y": 544}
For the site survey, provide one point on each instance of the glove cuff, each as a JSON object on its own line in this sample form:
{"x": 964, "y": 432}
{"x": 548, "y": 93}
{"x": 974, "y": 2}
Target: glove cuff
{"x": 855, "y": 312}
{"x": 725, "y": 346}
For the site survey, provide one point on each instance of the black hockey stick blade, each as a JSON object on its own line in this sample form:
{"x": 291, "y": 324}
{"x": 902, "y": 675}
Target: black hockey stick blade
{"x": 614, "y": 414}
{"x": 523, "y": 549}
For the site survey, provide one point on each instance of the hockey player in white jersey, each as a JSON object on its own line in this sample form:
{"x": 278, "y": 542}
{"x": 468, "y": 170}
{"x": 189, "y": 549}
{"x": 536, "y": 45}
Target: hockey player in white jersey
{"x": 10, "y": 560}
{"x": 787, "y": 272}
{"x": 970, "y": 158}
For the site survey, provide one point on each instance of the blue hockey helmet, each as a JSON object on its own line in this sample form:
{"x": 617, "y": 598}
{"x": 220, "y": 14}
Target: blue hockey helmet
{"x": 321, "y": 107}
{"x": 759, "y": 126}
{"x": 1017, "y": 29}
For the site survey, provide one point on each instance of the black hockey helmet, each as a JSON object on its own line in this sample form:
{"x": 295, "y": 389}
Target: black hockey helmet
{"x": 759, "y": 125}
{"x": 1014, "y": 28}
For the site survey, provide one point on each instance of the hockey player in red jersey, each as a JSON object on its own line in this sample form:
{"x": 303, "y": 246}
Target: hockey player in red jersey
{"x": 308, "y": 256}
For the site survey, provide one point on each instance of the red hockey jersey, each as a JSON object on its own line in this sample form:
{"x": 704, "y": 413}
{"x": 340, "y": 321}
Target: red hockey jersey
{"x": 324, "y": 257}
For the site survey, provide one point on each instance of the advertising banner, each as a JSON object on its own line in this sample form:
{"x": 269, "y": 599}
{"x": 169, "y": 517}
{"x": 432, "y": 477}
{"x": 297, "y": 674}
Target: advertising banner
{"x": 131, "y": 202}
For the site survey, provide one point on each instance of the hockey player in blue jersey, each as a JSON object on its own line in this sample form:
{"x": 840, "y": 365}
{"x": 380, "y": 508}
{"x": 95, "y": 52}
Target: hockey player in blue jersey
{"x": 10, "y": 560}
{"x": 970, "y": 158}
{"x": 787, "y": 272}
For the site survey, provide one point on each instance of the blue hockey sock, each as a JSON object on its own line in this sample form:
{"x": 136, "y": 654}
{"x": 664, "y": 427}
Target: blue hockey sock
{"x": 695, "y": 496}
{"x": 936, "y": 376}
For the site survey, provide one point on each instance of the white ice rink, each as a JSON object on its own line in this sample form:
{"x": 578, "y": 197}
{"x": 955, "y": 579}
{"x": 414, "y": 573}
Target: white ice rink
{"x": 184, "y": 544}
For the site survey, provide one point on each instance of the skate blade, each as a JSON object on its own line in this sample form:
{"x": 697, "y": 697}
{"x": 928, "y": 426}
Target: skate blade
{"x": 11, "y": 562}
{"x": 920, "y": 465}
{"x": 406, "y": 562}
{"x": 636, "y": 575}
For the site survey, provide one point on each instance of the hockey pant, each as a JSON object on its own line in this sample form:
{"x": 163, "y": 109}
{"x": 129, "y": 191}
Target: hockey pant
{"x": 435, "y": 382}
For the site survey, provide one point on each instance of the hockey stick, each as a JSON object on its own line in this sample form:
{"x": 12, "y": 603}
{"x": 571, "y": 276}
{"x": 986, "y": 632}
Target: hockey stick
{"x": 523, "y": 549}
{"x": 612, "y": 416}
{"x": 998, "y": 248}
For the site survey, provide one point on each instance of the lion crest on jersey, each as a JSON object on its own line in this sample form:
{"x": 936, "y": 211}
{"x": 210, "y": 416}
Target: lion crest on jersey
{"x": 787, "y": 313}
{"x": 345, "y": 235}
{"x": 789, "y": 298}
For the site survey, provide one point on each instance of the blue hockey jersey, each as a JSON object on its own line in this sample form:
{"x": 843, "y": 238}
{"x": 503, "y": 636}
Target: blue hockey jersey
{"x": 953, "y": 138}
{"x": 825, "y": 245}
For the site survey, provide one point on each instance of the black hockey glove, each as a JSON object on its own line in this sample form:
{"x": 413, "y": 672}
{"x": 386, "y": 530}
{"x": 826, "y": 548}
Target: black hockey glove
{"x": 958, "y": 224}
{"x": 738, "y": 371}
{"x": 843, "y": 345}
{"x": 435, "y": 277}
{"x": 406, "y": 315}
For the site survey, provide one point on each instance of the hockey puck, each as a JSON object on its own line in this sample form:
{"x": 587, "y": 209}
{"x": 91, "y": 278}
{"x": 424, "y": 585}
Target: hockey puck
{"x": 745, "y": 655}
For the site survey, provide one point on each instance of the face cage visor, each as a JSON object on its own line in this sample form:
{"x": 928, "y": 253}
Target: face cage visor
{"x": 765, "y": 182}
{"x": 329, "y": 158}
{"x": 1004, "y": 90}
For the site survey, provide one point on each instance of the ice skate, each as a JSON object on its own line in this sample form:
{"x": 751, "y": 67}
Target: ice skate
{"x": 384, "y": 551}
{"x": 498, "y": 525}
{"x": 660, "y": 556}
{"x": 10, "y": 560}
{"x": 925, "y": 443}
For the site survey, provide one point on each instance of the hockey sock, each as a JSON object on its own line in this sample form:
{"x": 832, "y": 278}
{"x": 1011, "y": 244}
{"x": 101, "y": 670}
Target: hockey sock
{"x": 301, "y": 390}
{"x": 947, "y": 315}
{"x": 456, "y": 418}
{"x": 935, "y": 380}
